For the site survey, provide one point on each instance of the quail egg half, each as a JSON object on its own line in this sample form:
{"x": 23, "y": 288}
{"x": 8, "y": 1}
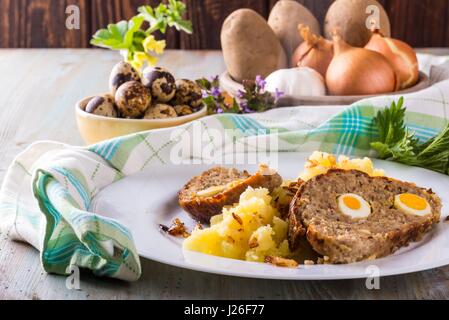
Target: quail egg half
{"x": 412, "y": 204}
{"x": 132, "y": 99}
{"x": 354, "y": 206}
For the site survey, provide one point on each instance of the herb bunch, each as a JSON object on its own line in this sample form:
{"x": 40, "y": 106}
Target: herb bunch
{"x": 139, "y": 46}
{"x": 397, "y": 143}
{"x": 253, "y": 97}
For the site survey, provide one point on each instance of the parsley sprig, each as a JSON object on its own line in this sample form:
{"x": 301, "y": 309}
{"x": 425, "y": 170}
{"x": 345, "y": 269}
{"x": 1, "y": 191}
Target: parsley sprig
{"x": 397, "y": 143}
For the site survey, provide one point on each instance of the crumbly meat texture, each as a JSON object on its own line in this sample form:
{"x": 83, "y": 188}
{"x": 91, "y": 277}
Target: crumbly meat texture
{"x": 314, "y": 213}
{"x": 203, "y": 208}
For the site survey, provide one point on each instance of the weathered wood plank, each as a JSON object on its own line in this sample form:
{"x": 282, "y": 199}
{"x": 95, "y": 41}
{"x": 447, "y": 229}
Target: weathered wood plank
{"x": 420, "y": 22}
{"x": 41, "y": 23}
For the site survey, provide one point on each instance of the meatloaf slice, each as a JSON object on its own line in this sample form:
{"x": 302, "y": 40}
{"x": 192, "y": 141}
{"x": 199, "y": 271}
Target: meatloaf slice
{"x": 314, "y": 213}
{"x": 205, "y": 195}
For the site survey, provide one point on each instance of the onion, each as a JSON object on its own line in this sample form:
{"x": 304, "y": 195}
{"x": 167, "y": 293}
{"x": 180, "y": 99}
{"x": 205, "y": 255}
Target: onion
{"x": 358, "y": 71}
{"x": 315, "y": 52}
{"x": 401, "y": 56}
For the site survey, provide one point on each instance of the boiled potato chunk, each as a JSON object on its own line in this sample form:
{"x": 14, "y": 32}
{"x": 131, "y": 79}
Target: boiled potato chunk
{"x": 320, "y": 162}
{"x": 249, "y": 230}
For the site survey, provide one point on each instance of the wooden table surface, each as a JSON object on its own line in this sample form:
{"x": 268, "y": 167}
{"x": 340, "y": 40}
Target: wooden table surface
{"x": 38, "y": 91}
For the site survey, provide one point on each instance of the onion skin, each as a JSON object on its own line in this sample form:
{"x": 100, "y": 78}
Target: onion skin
{"x": 315, "y": 52}
{"x": 401, "y": 56}
{"x": 358, "y": 71}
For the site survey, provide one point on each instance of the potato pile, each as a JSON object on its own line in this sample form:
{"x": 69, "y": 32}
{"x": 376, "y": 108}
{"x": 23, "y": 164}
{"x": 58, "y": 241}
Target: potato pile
{"x": 153, "y": 95}
{"x": 355, "y": 31}
{"x": 249, "y": 230}
{"x": 253, "y": 46}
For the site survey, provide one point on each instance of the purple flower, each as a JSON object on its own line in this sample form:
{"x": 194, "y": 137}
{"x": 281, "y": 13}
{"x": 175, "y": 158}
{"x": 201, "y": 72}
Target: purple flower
{"x": 244, "y": 107}
{"x": 214, "y": 78}
{"x": 205, "y": 94}
{"x": 215, "y": 92}
{"x": 261, "y": 83}
{"x": 240, "y": 94}
{"x": 219, "y": 110}
{"x": 278, "y": 94}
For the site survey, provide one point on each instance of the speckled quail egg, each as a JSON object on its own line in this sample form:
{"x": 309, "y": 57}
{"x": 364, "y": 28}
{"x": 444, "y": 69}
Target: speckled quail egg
{"x": 160, "y": 111}
{"x": 121, "y": 73}
{"x": 102, "y": 106}
{"x": 183, "y": 110}
{"x": 132, "y": 99}
{"x": 188, "y": 92}
{"x": 160, "y": 82}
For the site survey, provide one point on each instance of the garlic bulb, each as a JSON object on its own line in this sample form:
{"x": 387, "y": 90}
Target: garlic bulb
{"x": 301, "y": 81}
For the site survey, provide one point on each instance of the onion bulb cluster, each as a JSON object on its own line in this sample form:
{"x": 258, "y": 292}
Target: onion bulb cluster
{"x": 377, "y": 65}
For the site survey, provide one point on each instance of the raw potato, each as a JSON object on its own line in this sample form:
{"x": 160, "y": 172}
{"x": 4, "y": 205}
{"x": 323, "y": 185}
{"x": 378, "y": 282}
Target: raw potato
{"x": 250, "y": 46}
{"x": 350, "y": 18}
{"x": 284, "y": 19}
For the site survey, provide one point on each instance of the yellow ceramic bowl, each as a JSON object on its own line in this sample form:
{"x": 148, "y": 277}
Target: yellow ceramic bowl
{"x": 95, "y": 128}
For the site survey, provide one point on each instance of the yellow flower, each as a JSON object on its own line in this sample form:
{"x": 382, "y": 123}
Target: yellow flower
{"x": 140, "y": 58}
{"x": 150, "y": 44}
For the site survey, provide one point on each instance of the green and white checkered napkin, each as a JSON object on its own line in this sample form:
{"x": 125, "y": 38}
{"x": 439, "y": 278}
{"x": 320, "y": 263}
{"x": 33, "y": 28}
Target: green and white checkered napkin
{"x": 48, "y": 189}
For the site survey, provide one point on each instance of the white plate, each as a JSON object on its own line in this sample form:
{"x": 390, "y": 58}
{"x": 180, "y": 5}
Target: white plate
{"x": 147, "y": 199}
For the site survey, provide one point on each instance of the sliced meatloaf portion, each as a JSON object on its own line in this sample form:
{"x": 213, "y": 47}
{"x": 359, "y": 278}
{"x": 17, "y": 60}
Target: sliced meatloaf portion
{"x": 205, "y": 195}
{"x": 314, "y": 213}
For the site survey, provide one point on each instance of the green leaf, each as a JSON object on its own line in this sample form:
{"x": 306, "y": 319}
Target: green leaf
{"x": 438, "y": 144}
{"x": 204, "y": 83}
{"x": 390, "y": 123}
{"x": 383, "y": 150}
{"x": 133, "y": 26}
{"x": 148, "y": 14}
{"x": 398, "y": 144}
{"x": 163, "y": 16}
{"x": 185, "y": 26}
{"x": 106, "y": 39}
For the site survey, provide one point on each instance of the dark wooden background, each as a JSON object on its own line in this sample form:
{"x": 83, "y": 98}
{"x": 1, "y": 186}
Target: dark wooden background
{"x": 41, "y": 23}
